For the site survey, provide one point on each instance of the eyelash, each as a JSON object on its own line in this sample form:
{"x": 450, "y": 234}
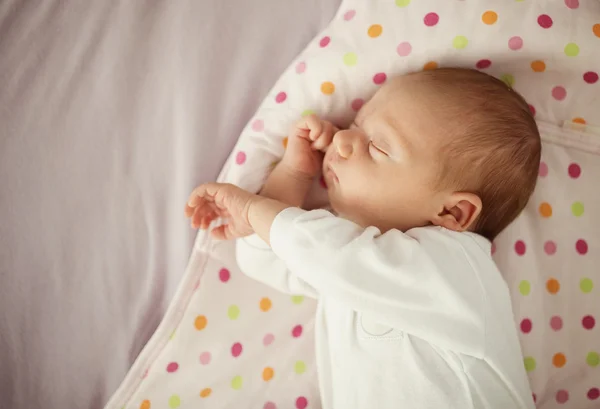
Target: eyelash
{"x": 378, "y": 149}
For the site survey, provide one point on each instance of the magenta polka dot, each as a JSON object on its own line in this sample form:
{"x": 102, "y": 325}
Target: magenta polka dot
{"x": 574, "y": 170}
{"x": 349, "y": 15}
{"x": 224, "y": 275}
{"x": 556, "y": 323}
{"x": 572, "y": 4}
{"x": 581, "y": 246}
{"x": 431, "y": 19}
{"x": 562, "y": 396}
{"x": 240, "y": 158}
{"x": 258, "y": 125}
{"x": 205, "y": 358}
{"x": 588, "y": 322}
{"x": 172, "y": 367}
{"x": 590, "y": 77}
{"x": 268, "y": 339}
{"x": 236, "y": 349}
{"x": 532, "y": 109}
{"x": 515, "y": 43}
{"x": 559, "y": 93}
{"x": 520, "y": 247}
{"x": 269, "y": 405}
{"x": 483, "y": 64}
{"x": 300, "y": 67}
{"x": 526, "y": 325}
{"x": 379, "y": 78}
{"x": 297, "y": 331}
{"x": 544, "y": 21}
{"x": 593, "y": 394}
{"x": 404, "y": 49}
{"x": 301, "y": 402}
{"x": 543, "y": 169}
{"x": 280, "y": 97}
{"x": 357, "y": 104}
{"x": 549, "y": 247}
{"x": 324, "y": 42}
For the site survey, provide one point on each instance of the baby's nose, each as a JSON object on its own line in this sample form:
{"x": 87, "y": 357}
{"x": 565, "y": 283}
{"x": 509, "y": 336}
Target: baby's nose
{"x": 344, "y": 149}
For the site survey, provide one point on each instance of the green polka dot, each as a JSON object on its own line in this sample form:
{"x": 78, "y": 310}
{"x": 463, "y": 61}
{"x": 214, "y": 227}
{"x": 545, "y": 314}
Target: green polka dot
{"x": 586, "y": 285}
{"x": 236, "y": 383}
{"x": 508, "y": 79}
{"x": 297, "y": 299}
{"x": 577, "y": 209}
{"x": 571, "y": 50}
{"x": 300, "y": 367}
{"x": 529, "y": 363}
{"x": 307, "y": 112}
{"x": 593, "y": 359}
{"x": 172, "y": 335}
{"x": 402, "y": 3}
{"x": 524, "y": 287}
{"x": 174, "y": 401}
{"x": 460, "y": 42}
{"x": 350, "y": 59}
{"x": 233, "y": 312}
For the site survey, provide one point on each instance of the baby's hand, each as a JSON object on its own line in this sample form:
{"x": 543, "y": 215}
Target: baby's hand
{"x": 308, "y": 139}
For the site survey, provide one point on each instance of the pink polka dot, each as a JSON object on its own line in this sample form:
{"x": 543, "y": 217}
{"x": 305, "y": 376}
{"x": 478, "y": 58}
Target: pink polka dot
{"x": 236, "y": 349}
{"x": 279, "y": 98}
{"x": 379, "y": 78}
{"x": 526, "y": 325}
{"x": 349, "y": 15}
{"x": 556, "y": 323}
{"x": 404, "y": 49}
{"x": 483, "y": 64}
{"x": 301, "y": 402}
{"x": 532, "y": 109}
{"x": 324, "y": 42}
{"x": 593, "y": 394}
{"x": 550, "y": 247}
{"x": 562, "y": 396}
{"x": 515, "y": 43}
{"x": 224, "y": 275}
{"x": 581, "y": 246}
{"x": 172, "y": 367}
{"x": 357, "y": 104}
{"x": 543, "y": 169}
{"x": 520, "y": 247}
{"x": 240, "y": 158}
{"x": 544, "y": 21}
{"x": 269, "y": 405}
{"x": 297, "y": 331}
{"x": 572, "y": 4}
{"x": 590, "y": 77}
{"x": 574, "y": 170}
{"x": 588, "y": 322}
{"x": 300, "y": 67}
{"x": 205, "y": 358}
{"x": 268, "y": 339}
{"x": 258, "y": 125}
{"x": 559, "y": 93}
{"x": 431, "y": 19}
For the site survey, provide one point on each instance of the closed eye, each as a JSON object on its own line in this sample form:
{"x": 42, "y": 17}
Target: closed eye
{"x": 378, "y": 149}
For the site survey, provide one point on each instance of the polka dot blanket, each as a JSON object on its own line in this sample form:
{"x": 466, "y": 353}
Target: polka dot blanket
{"x": 229, "y": 342}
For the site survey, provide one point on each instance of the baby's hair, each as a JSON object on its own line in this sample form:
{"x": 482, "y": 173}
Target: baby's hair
{"x": 493, "y": 145}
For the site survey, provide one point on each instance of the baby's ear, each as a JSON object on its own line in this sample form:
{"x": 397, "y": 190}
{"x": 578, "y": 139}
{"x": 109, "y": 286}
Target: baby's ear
{"x": 460, "y": 211}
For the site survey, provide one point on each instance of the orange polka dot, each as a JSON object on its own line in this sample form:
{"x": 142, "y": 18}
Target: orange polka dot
{"x": 553, "y": 286}
{"x": 205, "y": 393}
{"x": 327, "y": 88}
{"x": 268, "y": 374}
{"x": 538, "y": 66}
{"x": 579, "y": 120}
{"x": 596, "y": 30}
{"x": 545, "y": 210}
{"x": 200, "y": 322}
{"x": 145, "y": 404}
{"x": 375, "y": 30}
{"x": 265, "y": 304}
{"x": 285, "y": 142}
{"x": 559, "y": 360}
{"x": 489, "y": 17}
{"x": 431, "y": 65}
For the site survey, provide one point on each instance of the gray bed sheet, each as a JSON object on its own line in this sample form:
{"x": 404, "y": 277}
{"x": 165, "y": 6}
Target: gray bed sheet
{"x": 110, "y": 113}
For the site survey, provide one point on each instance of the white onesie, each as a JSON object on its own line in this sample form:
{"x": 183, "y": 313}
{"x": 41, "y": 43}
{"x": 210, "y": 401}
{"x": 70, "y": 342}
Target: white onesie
{"x": 411, "y": 320}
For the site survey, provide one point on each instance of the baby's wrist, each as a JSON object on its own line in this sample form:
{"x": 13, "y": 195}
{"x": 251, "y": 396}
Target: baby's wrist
{"x": 296, "y": 173}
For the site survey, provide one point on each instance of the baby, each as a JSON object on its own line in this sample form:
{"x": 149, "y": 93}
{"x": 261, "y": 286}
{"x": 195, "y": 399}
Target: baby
{"x": 412, "y": 311}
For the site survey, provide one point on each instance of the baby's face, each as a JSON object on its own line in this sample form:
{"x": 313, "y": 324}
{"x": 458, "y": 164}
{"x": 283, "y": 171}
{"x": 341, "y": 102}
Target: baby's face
{"x": 382, "y": 170}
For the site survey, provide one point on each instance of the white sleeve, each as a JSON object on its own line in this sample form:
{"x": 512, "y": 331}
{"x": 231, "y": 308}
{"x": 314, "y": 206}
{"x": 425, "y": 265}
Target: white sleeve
{"x": 256, "y": 259}
{"x": 422, "y": 286}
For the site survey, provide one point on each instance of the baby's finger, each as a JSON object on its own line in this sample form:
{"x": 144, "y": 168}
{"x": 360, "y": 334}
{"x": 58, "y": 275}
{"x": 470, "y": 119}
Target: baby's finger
{"x": 324, "y": 140}
{"x": 221, "y": 232}
{"x": 315, "y": 125}
{"x": 189, "y": 211}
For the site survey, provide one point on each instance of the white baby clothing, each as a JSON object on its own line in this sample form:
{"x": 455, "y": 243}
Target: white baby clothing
{"x": 419, "y": 320}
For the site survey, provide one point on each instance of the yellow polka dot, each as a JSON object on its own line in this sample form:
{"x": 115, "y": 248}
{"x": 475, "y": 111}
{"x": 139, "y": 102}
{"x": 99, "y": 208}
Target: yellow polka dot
{"x": 205, "y": 393}
{"x": 545, "y": 210}
{"x": 375, "y": 30}
{"x": 596, "y": 30}
{"x": 460, "y": 42}
{"x": 553, "y": 286}
{"x": 489, "y": 17}
{"x": 265, "y": 304}
{"x": 579, "y": 120}
{"x": 145, "y": 404}
{"x": 327, "y": 88}
{"x": 350, "y": 59}
{"x": 200, "y": 322}
{"x": 538, "y": 66}
{"x": 285, "y": 142}
{"x": 559, "y": 360}
{"x": 508, "y": 79}
{"x": 431, "y": 65}
{"x": 268, "y": 374}
{"x": 307, "y": 112}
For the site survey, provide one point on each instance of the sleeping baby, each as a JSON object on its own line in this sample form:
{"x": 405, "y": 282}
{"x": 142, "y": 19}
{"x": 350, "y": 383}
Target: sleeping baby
{"x": 412, "y": 311}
